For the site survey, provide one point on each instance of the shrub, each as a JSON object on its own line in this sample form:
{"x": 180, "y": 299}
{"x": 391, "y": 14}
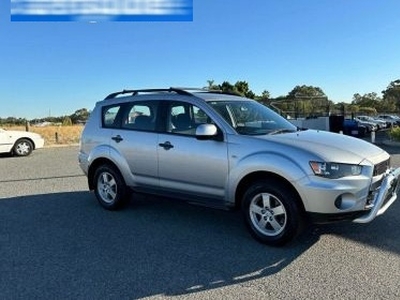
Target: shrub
{"x": 394, "y": 134}
{"x": 67, "y": 121}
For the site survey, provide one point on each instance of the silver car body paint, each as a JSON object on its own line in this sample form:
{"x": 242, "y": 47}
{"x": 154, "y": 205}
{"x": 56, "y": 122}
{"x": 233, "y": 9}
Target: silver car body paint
{"x": 174, "y": 164}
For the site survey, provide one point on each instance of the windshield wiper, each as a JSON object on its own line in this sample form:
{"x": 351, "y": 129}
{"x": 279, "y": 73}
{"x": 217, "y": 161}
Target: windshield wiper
{"x": 281, "y": 130}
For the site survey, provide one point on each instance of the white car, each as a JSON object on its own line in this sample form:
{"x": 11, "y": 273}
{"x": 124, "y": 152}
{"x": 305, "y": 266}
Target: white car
{"x": 380, "y": 124}
{"x": 393, "y": 121}
{"x": 369, "y": 125}
{"x": 19, "y": 143}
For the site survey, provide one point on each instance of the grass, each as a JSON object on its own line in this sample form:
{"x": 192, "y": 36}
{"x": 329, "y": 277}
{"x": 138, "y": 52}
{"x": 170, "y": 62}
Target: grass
{"x": 54, "y": 135}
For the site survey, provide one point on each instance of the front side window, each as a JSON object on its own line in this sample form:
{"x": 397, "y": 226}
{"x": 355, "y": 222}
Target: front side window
{"x": 183, "y": 118}
{"x": 252, "y": 118}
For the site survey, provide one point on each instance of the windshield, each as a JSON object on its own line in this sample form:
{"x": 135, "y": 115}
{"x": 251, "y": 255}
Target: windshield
{"x": 252, "y": 118}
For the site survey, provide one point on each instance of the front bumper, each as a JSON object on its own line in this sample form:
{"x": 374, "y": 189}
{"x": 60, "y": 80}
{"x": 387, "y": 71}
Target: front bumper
{"x": 39, "y": 143}
{"x": 384, "y": 198}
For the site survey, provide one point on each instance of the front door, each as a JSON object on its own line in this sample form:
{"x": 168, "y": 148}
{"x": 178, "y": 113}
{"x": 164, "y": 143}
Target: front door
{"x": 198, "y": 168}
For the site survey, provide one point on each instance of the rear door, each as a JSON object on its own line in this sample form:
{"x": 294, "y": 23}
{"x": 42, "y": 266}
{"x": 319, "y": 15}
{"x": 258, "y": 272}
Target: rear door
{"x": 135, "y": 140}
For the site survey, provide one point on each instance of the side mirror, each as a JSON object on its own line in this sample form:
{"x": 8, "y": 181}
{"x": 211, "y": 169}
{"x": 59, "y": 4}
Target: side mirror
{"x": 206, "y": 131}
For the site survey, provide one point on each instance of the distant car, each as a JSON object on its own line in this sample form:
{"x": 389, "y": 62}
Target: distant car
{"x": 353, "y": 128}
{"x": 369, "y": 125}
{"x": 391, "y": 120}
{"x": 383, "y": 123}
{"x": 379, "y": 123}
{"x": 19, "y": 143}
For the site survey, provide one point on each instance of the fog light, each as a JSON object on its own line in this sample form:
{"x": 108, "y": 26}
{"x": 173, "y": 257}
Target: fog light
{"x": 338, "y": 202}
{"x": 345, "y": 201}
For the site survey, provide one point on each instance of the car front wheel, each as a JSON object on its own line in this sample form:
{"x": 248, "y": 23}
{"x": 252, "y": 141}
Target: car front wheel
{"x": 110, "y": 188}
{"x": 22, "y": 147}
{"x": 271, "y": 213}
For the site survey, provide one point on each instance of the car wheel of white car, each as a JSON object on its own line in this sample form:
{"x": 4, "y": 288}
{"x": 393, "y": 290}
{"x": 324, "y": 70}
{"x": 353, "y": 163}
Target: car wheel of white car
{"x": 110, "y": 188}
{"x": 271, "y": 213}
{"x": 22, "y": 147}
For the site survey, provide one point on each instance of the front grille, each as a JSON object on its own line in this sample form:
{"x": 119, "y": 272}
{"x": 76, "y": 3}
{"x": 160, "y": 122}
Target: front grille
{"x": 373, "y": 190}
{"x": 382, "y": 167}
{"x": 379, "y": 169}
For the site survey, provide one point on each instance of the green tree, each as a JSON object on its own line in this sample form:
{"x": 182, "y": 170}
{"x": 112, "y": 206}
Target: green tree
{"x": 264, "y": 98}
{"x": 309, "y": 101}
{"x": 13, "y": 121}
{"x": 265, "y": 95}
{"x": 367, "y": 100}
{"x": 211, "y": 85}
{"x": 354, "y": 109}
{"x": 365, "y": 110}
{"x": 392, "y": 93}
{"x": 242, "y": 88}
{"x": 80, "y": 115}
{"x": 226, "y": 87}
{"x": 387, "y": 105}
{"x": 67, "y": 121}
{"x": 306, "y": 92}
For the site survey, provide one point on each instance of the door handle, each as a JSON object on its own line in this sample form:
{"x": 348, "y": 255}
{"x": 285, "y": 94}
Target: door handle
{"x": 117, "y": 138}
{"x": 166, "y": 145}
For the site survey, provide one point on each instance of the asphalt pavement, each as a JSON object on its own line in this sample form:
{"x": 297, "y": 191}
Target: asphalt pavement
{"x": 56, "y": 242}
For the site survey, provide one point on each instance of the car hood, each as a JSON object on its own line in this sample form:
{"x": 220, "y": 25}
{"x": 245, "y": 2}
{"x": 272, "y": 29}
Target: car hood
{"x": 332, "y": 147}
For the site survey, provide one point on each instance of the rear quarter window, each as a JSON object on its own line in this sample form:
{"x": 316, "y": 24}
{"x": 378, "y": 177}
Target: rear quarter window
{"x": 109, "y": 116}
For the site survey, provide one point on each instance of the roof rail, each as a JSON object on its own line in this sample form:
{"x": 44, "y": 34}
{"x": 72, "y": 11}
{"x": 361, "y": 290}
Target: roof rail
{"x": 180, "y": 91}
{"x": 224, "y": 92}
{"x": 206, "y": 90}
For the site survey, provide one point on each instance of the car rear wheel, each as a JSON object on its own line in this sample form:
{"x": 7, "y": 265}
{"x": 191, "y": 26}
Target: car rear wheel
{"x": 22, "y": 147}
{"x": 109, "y": 187}
{"x": 271, "y": 213}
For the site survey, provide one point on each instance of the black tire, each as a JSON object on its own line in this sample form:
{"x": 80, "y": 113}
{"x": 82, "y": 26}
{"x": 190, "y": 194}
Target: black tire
{"x": 22, "y": 147}
{"x": 110, "y": 188}
{"x": 271, "y": 213}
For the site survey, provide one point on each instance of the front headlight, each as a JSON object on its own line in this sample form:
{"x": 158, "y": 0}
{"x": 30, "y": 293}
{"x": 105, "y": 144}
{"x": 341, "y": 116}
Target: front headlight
{"x": 334, "y": 170}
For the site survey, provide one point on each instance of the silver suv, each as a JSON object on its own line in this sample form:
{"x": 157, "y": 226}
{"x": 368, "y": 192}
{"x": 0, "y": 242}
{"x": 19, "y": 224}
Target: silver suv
{"x": 228, "y": 151}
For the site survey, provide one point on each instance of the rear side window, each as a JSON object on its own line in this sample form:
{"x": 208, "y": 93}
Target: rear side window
{"x": 141, "y": 116}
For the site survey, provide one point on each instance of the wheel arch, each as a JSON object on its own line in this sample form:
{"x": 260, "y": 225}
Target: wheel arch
{"x": 25, "y": 138}
{"x": 93, "y": 167}
{"x": 249, "y": 179}
{"x": 22, "y": 138}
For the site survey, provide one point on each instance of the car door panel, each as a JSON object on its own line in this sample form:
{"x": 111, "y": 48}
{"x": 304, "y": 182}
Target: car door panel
{"x": 193, "y": 166}
{"x": 139, "y": 149}
{"x": 135, "y": 140}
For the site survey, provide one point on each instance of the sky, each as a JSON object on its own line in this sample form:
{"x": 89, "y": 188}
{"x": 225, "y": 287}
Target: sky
{"x": 342, "y": 46}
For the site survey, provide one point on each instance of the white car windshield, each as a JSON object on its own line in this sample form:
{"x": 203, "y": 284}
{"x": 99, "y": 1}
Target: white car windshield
{"x": 252, "y": 118}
